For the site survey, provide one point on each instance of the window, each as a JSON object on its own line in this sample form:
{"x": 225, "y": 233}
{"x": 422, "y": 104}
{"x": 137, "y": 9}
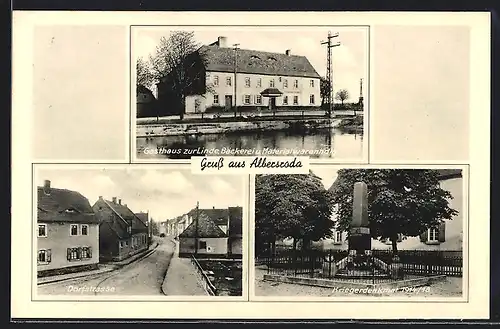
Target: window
{"x": 73, "y": 230}
{"x": 247, "y": 99}
{"x": 271, "y": 83}
{"x": 203, "y": 245}
{"x": 338, "y": 236}
{"x": 85, "y": 229}
{"x": 70, "y": 211}
{"x": 312, "y": 83}
{"x": 259, "y": 82}
{"x": 216, "y": 80}
{"x": 247, "y": 82}
{"x": 258, "y": 99}
{"x": 285, "y": 100}
{"x": 126, "y": 243}
{"x": 228, "y": 81}
{"x": 311, "y": 99}
{"x": 73, "y": 254}
{"x": 121, "y": 244}
{"x": 129, "y": 229}
{"x": 432, "y": 235}
{"x": 86, "y": 253}
{"x": 285, "y": 83}
{"x": 216, "y": 99}
{"x": 42, "y": 230}
{"x": 295, "y": 100}
{"x": 296, "y": 84}
{"x": 44, "y": 256}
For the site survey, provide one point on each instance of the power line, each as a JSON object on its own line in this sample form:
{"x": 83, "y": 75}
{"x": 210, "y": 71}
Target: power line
{"x": 329, "y": 70}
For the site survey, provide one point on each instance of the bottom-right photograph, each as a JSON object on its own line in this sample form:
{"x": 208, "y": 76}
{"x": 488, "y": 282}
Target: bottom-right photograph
{"x": 362, "y": 232}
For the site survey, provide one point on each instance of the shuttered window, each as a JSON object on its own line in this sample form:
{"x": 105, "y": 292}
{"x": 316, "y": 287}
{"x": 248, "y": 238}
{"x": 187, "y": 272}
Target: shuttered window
{"x": 44, "y": 256}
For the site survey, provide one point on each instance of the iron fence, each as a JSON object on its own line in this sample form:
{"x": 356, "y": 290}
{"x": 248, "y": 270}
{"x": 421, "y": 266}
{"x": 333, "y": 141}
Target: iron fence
{"x": 375, "y": 267}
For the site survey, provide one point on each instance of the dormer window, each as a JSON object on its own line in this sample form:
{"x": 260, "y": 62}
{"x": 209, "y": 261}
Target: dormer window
{"x": 272, "y": 59}
{"x": 70, "y": 211}
{"x": 254, "y": 57}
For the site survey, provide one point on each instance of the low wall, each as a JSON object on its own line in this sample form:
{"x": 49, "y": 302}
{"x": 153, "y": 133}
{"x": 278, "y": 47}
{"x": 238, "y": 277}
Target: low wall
{"x": 329, "y": 283}
{"x": 158, "y": 130}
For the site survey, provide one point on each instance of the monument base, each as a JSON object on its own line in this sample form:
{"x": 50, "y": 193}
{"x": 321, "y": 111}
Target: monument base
{"x": 360, "y": 239}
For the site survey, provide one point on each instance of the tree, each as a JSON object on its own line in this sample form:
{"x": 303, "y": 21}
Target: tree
{"x": 291, "y": 206}
{"x": 400, "y": 201}
{"x": 325, "y": 89}
{"x": 342, "y": 95}
{"x": 179, "y": 61}
{"x": 144, "y": 75}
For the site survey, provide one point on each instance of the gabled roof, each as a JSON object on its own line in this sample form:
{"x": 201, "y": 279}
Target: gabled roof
{"x": 143, "y": 216}
{"x": 61, "y": 205}
{"x": 206, "y": 229}
{"x": 126, "y": 215}
{"x": 221, "y": 59}
{"x": 218, "y": 216}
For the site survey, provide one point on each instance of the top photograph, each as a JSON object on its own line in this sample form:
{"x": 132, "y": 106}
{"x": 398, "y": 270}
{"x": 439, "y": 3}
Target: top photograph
{"x": 255, "y": 91}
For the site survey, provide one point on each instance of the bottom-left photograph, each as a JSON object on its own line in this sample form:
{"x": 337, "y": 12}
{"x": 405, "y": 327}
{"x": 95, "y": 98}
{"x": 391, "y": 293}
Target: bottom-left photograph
{"x": 137, "y": 230}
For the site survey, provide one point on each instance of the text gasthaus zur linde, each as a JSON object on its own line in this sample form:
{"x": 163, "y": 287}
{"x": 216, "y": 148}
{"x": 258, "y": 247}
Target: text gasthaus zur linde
{"x": 202, "y": 151}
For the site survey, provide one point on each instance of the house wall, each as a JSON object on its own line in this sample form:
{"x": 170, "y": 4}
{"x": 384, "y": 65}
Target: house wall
{"x": 453, "y": 230}
{"x": 58, "y": 240}
{"x": 236, "y": 246}
{"x": 217, "y": 246}
{"x": 303, "y": 91}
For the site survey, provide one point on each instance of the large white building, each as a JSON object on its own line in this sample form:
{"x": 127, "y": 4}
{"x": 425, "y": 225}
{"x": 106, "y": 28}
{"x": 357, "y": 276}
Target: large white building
{"x": 242, "y": 78}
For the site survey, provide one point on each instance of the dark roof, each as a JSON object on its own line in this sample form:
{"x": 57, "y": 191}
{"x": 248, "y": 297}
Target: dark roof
{"x": 235, "y": 221}
{"x": 443, "y": 174}
{"x": 221, "y": 59}
{"x": 143, "y": 216}
{"x": 128, "y": 215}
{"x": 218, "y": 216}
{"x": 61, "y": 205}
{"x": 206, "y": 228}
{"x": 449, "y": 173}
{"x": 271, "y": 91}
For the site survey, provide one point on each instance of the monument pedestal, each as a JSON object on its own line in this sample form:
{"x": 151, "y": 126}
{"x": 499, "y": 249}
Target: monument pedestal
{"x": 360, "y": 239}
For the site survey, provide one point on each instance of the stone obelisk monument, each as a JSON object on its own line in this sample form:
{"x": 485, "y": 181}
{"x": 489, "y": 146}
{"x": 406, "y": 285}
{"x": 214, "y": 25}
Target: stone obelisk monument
{"x": 359, "y": 234}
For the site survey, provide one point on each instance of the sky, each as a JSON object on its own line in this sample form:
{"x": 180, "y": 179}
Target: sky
{"x": 164, "y": 193}
{"x": 350, "y": 60}
{"x": 328, "y": 174}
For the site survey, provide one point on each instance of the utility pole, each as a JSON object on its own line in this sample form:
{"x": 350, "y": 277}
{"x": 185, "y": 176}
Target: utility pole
{"x": 361, "y": 93}
{"x": 329, "y": 70}
{"x": 235, "y": 71}
{"x": 196, "y": 228}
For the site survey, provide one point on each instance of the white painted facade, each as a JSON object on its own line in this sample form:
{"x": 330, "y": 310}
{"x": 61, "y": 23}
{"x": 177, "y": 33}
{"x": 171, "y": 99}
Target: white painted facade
{"x": 297, "y": 91}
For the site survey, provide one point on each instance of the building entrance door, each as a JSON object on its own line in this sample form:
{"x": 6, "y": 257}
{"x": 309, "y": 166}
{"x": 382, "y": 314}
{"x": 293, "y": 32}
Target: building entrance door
{"x": 228, "y": 102}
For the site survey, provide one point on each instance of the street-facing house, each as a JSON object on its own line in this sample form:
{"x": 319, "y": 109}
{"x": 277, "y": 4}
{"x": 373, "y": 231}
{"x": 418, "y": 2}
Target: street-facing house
{"x": 448, "y": 236}
{"x": 219, "y": 232}
{"x": 67, "y": 232}
{"x": 235, "y": 240}
{"x": 203, "y": 237}
{"x": 247, "y": 80}
{"x": 122, "y": 233}
{"x": 144, "y": 217}
{"x": 146, "y": 102}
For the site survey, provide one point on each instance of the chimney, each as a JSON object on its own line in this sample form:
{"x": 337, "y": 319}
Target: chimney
{"x": 222, "y": 42}
{"x": 119, "y": 201}
{"x": 213, "y": 207}
{"x": 114, "y": 200}
{"x": 288, "y": 52}
{"x": 46, "y": 186}
{"x": 100, "y": 197}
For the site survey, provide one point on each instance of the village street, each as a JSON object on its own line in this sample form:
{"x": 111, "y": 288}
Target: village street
{"x": 142, "y": 277}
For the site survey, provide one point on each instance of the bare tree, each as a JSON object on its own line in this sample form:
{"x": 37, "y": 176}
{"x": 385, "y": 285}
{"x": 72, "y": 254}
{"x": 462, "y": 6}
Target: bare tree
{"x": 179, "y": 62}
{"x": 144, "y": 75}
{"x": 342, "y": 95}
